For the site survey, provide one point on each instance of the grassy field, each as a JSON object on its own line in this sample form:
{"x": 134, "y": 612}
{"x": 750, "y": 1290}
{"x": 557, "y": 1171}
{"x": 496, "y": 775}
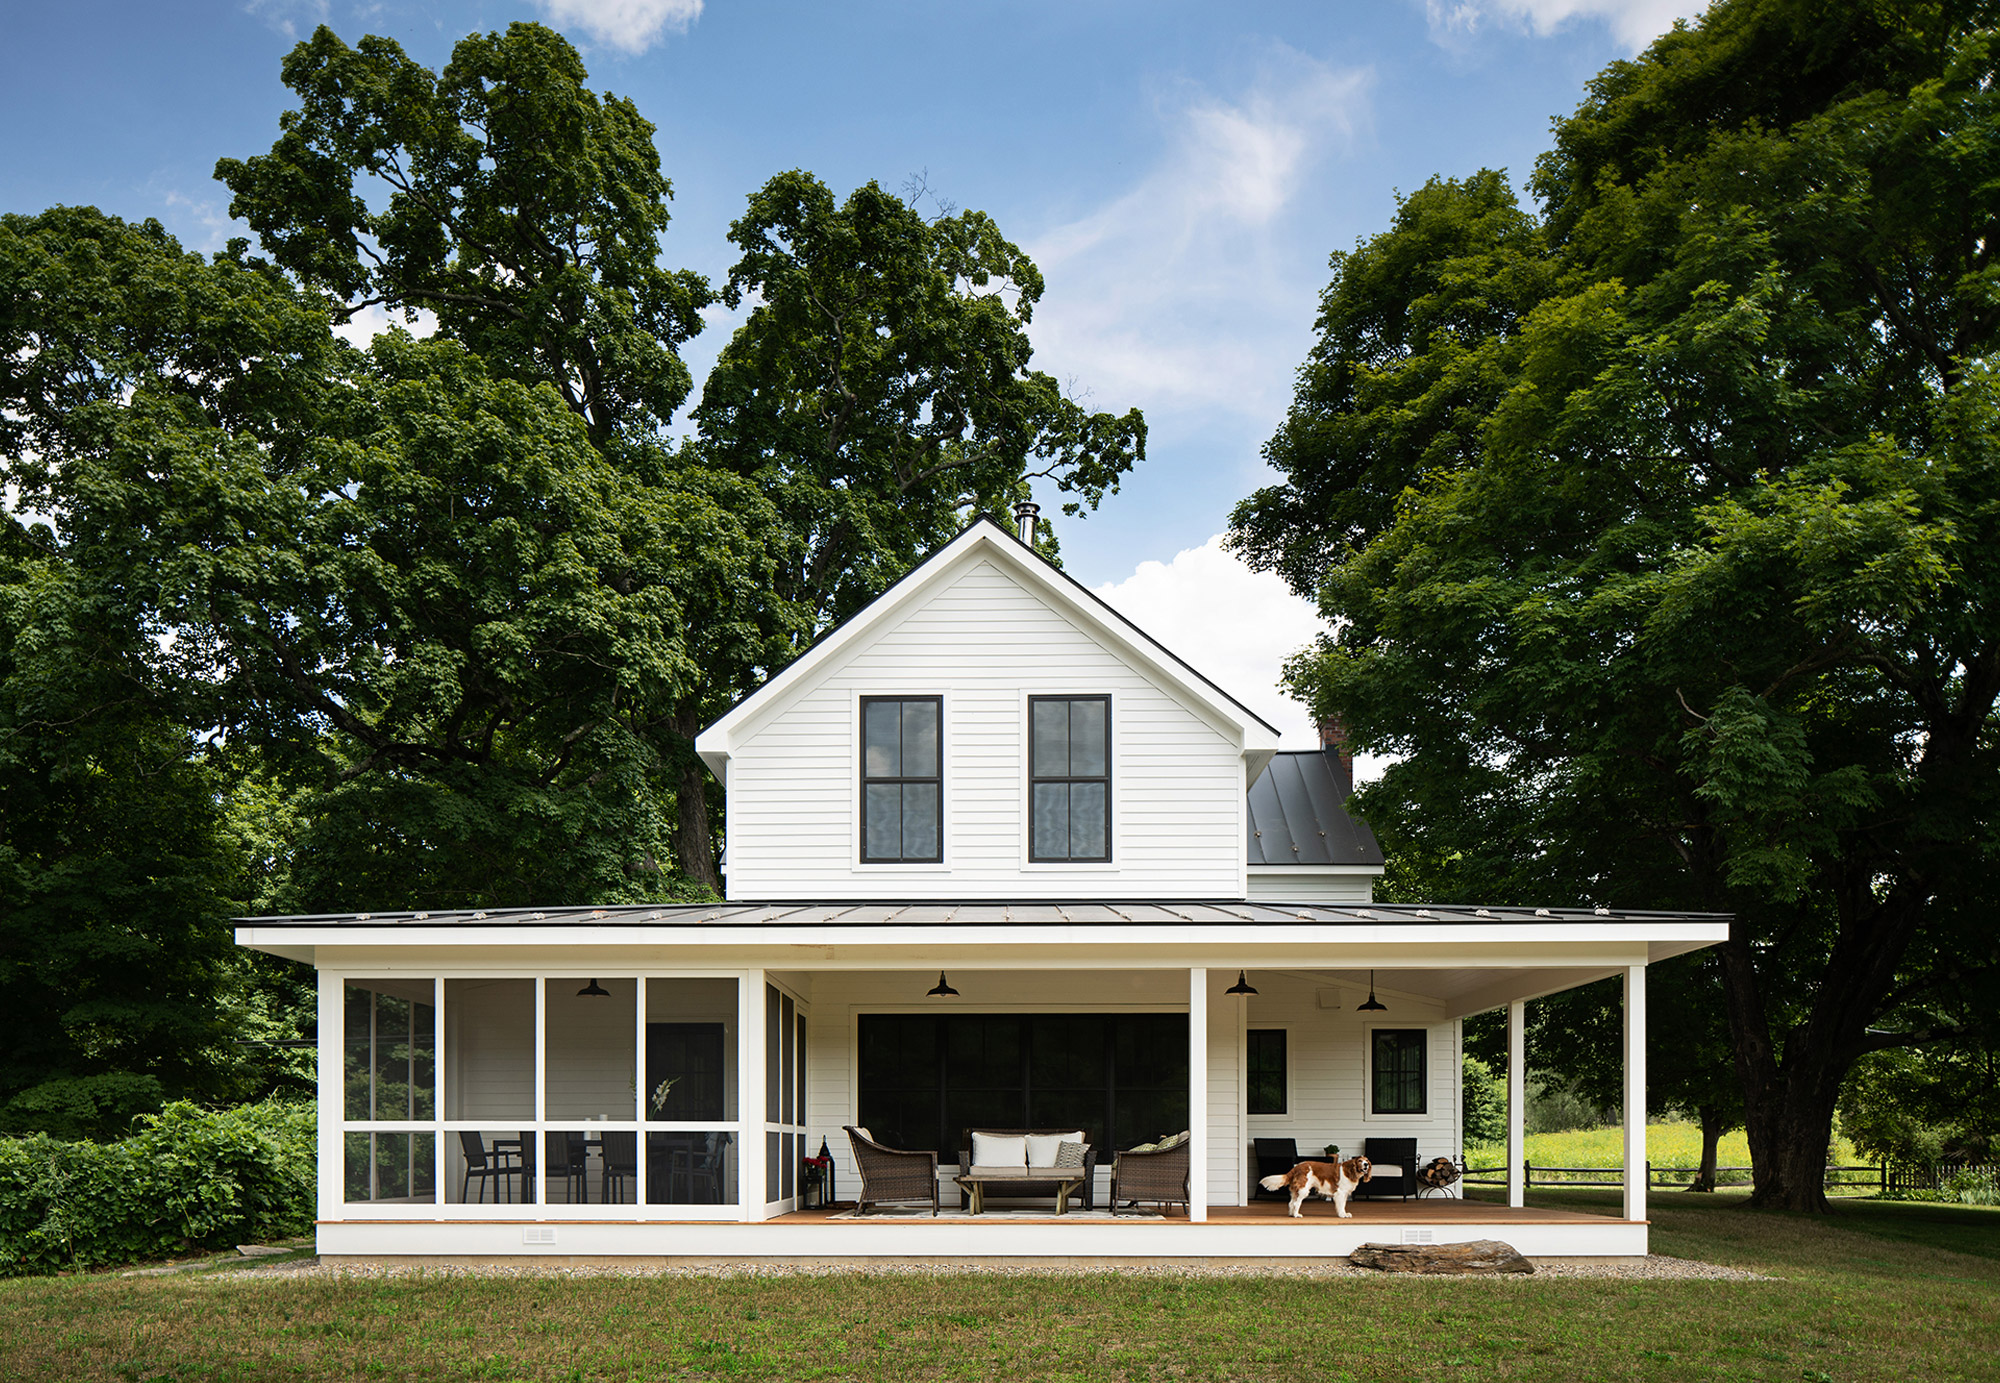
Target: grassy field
{"x": 1879, "y": 1291}
{"x": 1667, "y": 1145}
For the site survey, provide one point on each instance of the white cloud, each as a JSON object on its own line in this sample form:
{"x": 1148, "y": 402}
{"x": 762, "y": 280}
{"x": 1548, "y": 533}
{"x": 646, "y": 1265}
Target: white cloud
{"x": 289, "y": 16}
{"x": 1233, "y": 625}
{"x": 630, "y": 25}
{"x": 1185, "y": 289}
{"x": 1634, "y": 23}
{"x": 363, "y": 327}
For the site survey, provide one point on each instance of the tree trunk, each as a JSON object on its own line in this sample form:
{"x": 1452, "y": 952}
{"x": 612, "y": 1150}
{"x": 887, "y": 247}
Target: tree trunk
{"x": 1712, "y": 1123}
{"x": 694, "y": 839}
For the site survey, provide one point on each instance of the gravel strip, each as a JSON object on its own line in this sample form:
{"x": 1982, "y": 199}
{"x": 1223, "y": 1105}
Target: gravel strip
{"x": 1656, "y": 1266}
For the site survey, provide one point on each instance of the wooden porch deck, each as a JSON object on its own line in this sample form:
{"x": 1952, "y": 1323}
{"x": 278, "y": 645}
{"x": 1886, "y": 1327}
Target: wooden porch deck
{"x": 1435, "y": 1211}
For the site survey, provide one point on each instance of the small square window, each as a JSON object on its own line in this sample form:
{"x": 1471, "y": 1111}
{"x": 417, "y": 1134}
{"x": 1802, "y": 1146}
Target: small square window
{"x": 902, "y": 780}
{"x": 1069, "y": 778}
{"x": 1266, "y": 1071}
{"x": 1397, "y": 1064}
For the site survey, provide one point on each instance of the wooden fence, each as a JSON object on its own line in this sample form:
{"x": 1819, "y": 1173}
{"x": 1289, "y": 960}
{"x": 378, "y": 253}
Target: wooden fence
{"x": 1840, "y": 1180}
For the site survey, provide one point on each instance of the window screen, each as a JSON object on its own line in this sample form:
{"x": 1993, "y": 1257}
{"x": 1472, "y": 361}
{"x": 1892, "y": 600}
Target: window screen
{"x": 1398, "y": 1071}
{"x": 1267, "y": 1071}
{"x": 901, "y": 780}
{"x": 1069, "y": 778}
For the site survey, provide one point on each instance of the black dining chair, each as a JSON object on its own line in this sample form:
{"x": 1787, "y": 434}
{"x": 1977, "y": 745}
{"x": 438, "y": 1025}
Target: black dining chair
{"x": 480, "y": 1166}
{"x": 563, "y": 1157}
{"x": 621, "y": 1165}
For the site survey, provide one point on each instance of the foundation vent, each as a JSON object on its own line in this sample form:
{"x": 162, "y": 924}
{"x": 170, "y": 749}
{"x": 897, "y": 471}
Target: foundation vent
{"x": 539, "y": 1234}
{"x": 1419, "y": 1236}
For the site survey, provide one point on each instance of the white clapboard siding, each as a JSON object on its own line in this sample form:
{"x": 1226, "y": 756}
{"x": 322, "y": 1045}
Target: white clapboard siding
{"x": 1305, "y": 885}
{"x": 1326, "y": 1053}
{"x": 984, "y": 643}
{"x": 1225, "y": 1095}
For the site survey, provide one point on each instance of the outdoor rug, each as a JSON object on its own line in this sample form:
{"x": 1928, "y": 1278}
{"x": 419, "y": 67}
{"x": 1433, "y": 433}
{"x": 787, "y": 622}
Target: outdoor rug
{"x": 920, "y": 1212}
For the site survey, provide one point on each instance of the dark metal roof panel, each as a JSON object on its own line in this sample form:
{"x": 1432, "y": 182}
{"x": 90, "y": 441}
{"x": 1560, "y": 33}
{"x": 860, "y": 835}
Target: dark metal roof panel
{"x": 1298, "y": 816}
{"x": 1092, "y": 913}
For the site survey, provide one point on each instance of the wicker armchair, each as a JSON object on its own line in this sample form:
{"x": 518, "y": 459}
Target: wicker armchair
{"x": 1157, "y": 1177}
{"x": 891, "y": 1174}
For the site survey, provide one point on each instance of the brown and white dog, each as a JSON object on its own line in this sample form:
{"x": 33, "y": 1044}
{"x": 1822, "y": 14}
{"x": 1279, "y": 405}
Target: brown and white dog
{"x": 1336, "y": 1181}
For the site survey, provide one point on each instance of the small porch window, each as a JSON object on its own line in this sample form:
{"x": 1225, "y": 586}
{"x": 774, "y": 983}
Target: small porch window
{"x": 1266, "y": 1071}
{"x": 1069, "y": 778}
{"x": 1397, "y": 1065}
{"x": 901, "y": 780}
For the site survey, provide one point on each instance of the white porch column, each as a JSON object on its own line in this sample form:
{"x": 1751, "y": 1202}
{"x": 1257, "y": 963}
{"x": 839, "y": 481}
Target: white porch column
{"x": 750, "y": 1096}
{"x": 1635, "y": 1092}
{"x": 1198, "y": 1094}
{"x": 1517, "y": 1101}
{"x": 332, "y": 1096}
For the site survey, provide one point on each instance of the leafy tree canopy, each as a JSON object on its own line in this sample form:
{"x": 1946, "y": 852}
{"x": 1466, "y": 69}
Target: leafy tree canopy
{"x": 1696, "y": 606}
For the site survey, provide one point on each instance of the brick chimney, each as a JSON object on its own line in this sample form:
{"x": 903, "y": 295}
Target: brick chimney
{"x": 1333, "y": 743}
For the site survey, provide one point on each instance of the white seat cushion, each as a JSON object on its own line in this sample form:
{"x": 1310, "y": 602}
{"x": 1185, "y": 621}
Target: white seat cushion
{"x": 1043, "y": 1147}
{"x": 1386, "y": 1169}
{"x": 999, "y": 1150}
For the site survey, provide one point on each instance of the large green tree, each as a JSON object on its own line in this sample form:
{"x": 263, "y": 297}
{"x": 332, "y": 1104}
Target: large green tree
{"x": 1698, "y": 608}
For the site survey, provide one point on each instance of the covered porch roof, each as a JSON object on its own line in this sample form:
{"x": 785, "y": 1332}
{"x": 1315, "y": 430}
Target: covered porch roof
{"x": 1466, "y": 958}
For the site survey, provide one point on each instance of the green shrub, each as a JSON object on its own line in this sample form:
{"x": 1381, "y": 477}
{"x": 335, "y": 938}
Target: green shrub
{"x": 188, "y": 1179}
{"x": 1483, "y": 1103}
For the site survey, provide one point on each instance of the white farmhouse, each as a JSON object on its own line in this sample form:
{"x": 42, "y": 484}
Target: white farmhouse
{"x": 996, "y": 860}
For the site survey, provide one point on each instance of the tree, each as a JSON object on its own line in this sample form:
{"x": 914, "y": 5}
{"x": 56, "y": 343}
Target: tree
{"x": 1704, "y": 615}
{"x": 115, "y": 867}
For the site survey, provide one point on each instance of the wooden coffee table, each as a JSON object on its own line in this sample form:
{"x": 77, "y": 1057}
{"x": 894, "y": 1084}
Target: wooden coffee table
{"x": 975, "y": 1182}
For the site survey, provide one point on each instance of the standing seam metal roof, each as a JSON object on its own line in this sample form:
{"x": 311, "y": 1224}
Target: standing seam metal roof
{"x": 1298, "y": 815}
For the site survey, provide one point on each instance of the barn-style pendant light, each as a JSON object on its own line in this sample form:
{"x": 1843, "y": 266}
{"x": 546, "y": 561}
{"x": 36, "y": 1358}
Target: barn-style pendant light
{"x": 942, "y": 990}
{"x": 1242, "y": 986}
{"x": 593, "y": 990}
{"x": 1372, "y": 1006}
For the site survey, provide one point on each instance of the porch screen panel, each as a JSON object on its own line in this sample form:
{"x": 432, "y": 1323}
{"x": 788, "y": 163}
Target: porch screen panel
{"x": 1398, "y": 1059}
{"x": 593, "y": 1068}
{"x": 773, "y": 1059}
{"x": 390, "y": 1031}
{"x": 489, "y": 1048}
{"x": 899, "y": 1079}
{"x": 1151, "y": 1095}
{"x": 982, "y": 1077}
{"x": 925, "y": 1079}
{"x": 1069, "y": 1069}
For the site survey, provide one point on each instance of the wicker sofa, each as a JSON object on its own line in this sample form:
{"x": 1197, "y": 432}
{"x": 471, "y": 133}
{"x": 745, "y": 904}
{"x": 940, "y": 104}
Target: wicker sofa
{"x": 1153, "y": 1176}
{"x": 892, "y": 1174}
{"x": 1087, "y": 1199}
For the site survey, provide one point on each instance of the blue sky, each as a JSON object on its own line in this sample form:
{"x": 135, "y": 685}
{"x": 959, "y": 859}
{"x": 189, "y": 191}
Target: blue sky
{"x": 1179, "y": 171}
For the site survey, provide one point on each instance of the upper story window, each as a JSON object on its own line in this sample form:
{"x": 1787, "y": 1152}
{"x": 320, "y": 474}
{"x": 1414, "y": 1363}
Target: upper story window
{"x": 902, "y": 779}
{"x": 1069, "y": 778}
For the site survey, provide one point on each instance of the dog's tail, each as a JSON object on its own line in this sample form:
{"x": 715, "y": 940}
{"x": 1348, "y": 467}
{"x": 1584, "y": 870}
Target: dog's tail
{"x": 1274, "y": 1183}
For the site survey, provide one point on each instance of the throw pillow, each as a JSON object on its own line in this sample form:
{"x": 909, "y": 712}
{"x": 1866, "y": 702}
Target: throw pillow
{"x": 999, "y": 1150}
{"x": 1042, "y": 1147}
{"x": 1071, "y": 1154}
{"x": 1144, "y": 1147}
{"x": 1174, "y": 1142}
{"x": 864, "y": 1133}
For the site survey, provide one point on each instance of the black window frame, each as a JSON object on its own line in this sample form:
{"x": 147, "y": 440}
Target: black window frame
{"x": 1069, "y": 779}
{"x": 1423, "y": 1076}
{"x": 937, "y": 779}
{"x": 1250, "y": 1071}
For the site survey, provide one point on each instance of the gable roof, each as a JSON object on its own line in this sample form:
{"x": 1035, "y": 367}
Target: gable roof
{"x": 1298, "y": 815}
{"x": 983, "y": 536}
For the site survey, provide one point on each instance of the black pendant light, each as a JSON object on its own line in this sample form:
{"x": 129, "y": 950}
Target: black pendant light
{"x": 942, "y": 990}
{"x": 593, "y": 990}
{"x": 1372, "y": 1006}
{"x": 1242, "y": 986}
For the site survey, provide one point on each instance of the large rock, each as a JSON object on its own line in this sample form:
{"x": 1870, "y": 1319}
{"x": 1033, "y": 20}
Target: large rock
{"x": 1479, "y": 1256}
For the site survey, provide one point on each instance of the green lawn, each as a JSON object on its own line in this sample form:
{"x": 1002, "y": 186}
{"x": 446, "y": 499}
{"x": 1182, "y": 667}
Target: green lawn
{"x": 1667, "y": 1145}
{"x": 1879, "y": 1291}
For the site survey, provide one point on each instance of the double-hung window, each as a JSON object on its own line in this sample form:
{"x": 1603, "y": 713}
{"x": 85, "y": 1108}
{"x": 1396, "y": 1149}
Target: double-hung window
{"x": 902, "y": 780}
{"x": 1069, "y": 778}
{"x": 1398, "y": 1060}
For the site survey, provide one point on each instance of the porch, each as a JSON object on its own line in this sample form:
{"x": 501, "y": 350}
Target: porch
{"x": 1259, "y": 1232}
